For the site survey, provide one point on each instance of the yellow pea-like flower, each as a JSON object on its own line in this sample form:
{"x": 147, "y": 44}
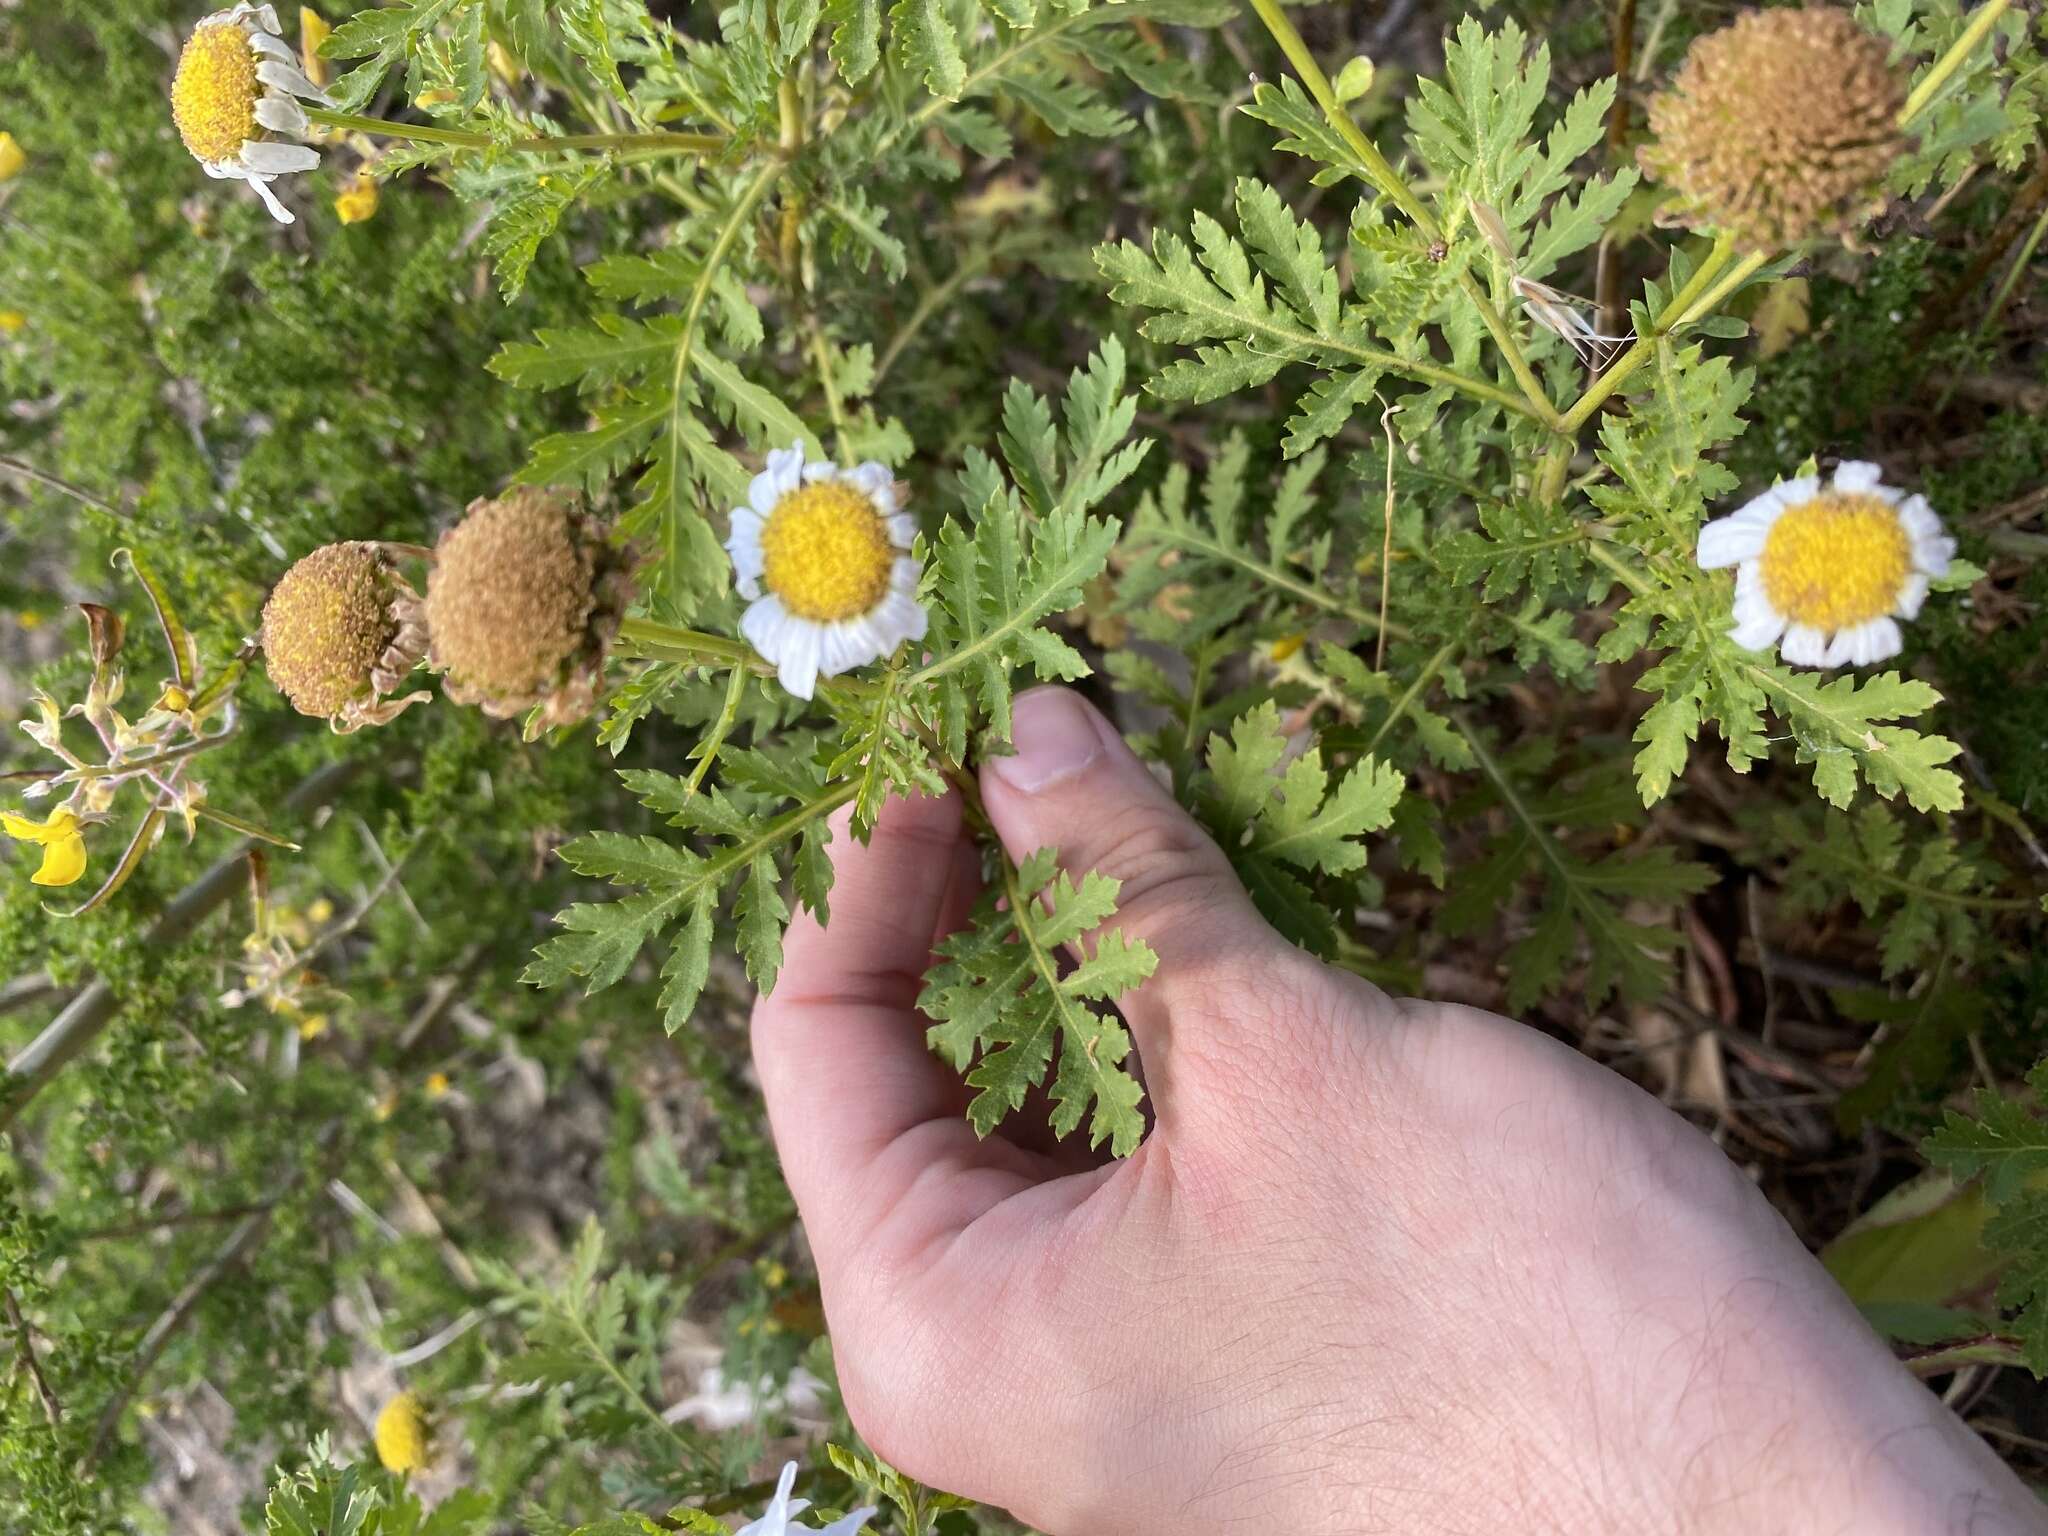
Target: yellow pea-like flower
{"x": 62, "y": 843}
{"x": 358, "y": 201}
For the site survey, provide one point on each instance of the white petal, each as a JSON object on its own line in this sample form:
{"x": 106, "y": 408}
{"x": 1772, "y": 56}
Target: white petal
{"x": 848, "y": 1524}
{"x": 1793, "y": 493}
{"x": 288, "y": 77}
{"x": 774, "y": 1519}
{"x": 280, "y": 114}
{"x": 1843, "y": 646}
{"x": 272, "y": 47}
{"x": 904, "y": 576}
{"x": 1856, "y": 476}
{"x": 1881, "y": 638}
{"x": 266, "y": 16}
{"x": 1932, "y": 556}
{"x": 763, "y": 623}
{"x": 223, "y": 170}
{"x": 1911, "y": 596}
{"x": 744, "y": 546}
{"x": 902, "y": 529}
{"x": 873, "y": 478}
{"x": 273, "y": 159}
{"x": 902, "y": 618}
{"x": 1758, "y": 632}
{"x": 278, "y": 211}
{"x": 1804, "y": 646}
{"x": 1919, "y": 518}
{"x": 782, "y": 475}
{"x": 1728, "y": 540}
{"x": 797, "y": 666}
{"x": 822, "y": 470}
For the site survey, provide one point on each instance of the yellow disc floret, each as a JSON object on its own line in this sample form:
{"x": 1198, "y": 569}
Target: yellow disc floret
{"x": 1836, "y": 561}
{"x": 325, "y": 626}
{"x": 214, "y": 96}
{"x": 401, "y": 1434}
{"x": 826, "y": 552}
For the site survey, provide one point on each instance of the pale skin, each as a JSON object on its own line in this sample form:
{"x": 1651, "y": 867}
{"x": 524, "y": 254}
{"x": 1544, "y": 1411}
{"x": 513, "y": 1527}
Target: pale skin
{"x": 1380, "y": 1265}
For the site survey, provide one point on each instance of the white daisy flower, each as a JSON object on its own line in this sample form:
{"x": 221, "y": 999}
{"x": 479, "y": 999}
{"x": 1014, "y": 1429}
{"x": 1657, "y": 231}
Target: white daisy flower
{"x": 819, "y": 553}
{"x": 1830, "y": 569}
{"x": 239, "y": 85}
{"x": 775, "y": 1519}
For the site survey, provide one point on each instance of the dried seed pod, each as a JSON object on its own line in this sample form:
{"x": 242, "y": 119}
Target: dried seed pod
{"x": 341, "y": 629}
{"x": 522, "y": 605}
{"x": 1779, "y": 128}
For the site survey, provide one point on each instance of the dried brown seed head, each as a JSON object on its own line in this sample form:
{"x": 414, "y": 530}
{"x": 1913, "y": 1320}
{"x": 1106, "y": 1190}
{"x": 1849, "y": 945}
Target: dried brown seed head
{"x": 1779, "y": 128}
{"x": 325, "y": 625}
{"x": 522, "y": 603}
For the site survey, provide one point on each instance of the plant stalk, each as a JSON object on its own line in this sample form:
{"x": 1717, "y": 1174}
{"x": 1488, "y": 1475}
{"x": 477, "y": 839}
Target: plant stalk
{"x": 460, "y": 138}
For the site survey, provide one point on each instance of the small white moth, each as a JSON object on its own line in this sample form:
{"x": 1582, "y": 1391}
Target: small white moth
{"x": 1561, "y": 314}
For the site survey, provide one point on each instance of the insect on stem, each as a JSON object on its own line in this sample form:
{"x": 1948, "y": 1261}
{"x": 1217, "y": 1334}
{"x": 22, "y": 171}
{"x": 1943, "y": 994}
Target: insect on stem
{"x": 1562, "y": 314}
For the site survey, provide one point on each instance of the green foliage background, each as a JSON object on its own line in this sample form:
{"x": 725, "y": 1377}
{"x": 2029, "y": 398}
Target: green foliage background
{"x": 1133, "y": 328}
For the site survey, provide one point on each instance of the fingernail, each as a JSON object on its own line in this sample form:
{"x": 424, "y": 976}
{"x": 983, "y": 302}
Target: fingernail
{"x": 1055, "y": 736}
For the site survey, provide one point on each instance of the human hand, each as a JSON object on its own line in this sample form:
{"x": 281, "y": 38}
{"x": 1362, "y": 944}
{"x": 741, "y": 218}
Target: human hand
{"x": 1379, "y": 1264}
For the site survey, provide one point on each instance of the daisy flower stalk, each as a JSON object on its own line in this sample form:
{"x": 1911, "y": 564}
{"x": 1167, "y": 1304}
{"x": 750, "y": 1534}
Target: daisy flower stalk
{"x": 821, "y": 553}
{"x": 238, "y": 87}
{"x": 1825, "y": 572}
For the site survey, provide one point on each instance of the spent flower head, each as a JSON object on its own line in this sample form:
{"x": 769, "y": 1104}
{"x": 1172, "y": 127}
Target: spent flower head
{"x": 341, "y": 629}
{"x": 1779, "y": 127}
{"x": 1830, "y": 569}
{"x": 820, "y": 553}
{"x": 523, "y": 602}
{"x": 237, "y": 88}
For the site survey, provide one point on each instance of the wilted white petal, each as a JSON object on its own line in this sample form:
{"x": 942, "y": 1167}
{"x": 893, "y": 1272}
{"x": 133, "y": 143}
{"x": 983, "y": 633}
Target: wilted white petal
{"x": 280, "y": 114}
{"x": 266, "y": 158}
{"x": 279, "y": 75}
{"x": 278, "y": 211}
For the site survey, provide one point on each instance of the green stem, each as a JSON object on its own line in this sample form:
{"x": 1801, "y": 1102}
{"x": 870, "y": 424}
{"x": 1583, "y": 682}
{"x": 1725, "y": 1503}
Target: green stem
{"x": 1682, "y": 308}
{"x": 1945, "y": 67}
{"x": 1383, "y": 175}
{"x": 461, "y": 138}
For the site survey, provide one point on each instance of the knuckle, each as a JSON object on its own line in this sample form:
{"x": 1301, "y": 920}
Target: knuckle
{"x": 1166, "y": 866}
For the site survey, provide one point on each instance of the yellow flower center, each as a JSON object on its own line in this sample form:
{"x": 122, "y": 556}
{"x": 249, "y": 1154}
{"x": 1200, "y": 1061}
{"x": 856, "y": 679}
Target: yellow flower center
{"x": 1836, "y": 561}
{"x": 826, "y": 553}
{"x": 213, "y": 98}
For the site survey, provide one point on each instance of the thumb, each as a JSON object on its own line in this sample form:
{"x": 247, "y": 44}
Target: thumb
{"x": 1074, "y": 785}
